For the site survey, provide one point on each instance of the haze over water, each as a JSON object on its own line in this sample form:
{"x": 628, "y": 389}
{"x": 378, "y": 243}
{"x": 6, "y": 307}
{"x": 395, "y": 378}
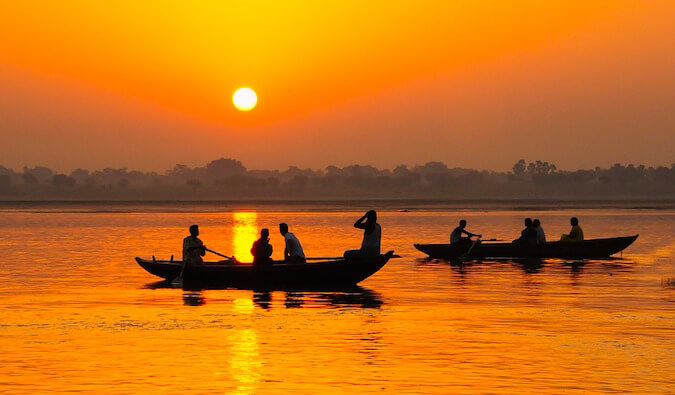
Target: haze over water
{"x": 78, "y": 314}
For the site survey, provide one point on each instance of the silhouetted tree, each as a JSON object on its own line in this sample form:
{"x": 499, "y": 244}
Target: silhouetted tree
{"x": 62, "y": 181}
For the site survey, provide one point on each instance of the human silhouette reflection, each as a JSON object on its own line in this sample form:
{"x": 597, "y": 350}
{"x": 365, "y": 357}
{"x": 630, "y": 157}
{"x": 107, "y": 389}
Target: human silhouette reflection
{"x": 354, "y": 296}
{"x": 529, "y": 265}
{"x": 193, "y": 298}
{"x": 262, "y": 299}
{"x": 294, "y": 300}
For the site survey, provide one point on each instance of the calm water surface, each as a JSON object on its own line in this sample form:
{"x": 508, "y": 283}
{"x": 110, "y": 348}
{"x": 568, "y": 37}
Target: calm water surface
{"x": 78, "y": 315}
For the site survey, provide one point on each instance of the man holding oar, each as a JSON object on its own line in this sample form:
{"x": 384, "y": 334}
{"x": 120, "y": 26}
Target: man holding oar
{"x": 456, "y": 235}
{"x": 193, "y": 251}
{"x": 193, "y": 248}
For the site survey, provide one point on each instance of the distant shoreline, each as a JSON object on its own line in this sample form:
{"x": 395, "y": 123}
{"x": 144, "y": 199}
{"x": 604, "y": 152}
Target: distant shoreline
{"x": 310, "y": 205}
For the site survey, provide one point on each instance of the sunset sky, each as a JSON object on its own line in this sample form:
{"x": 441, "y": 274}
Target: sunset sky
{"x": 147, "y": 85}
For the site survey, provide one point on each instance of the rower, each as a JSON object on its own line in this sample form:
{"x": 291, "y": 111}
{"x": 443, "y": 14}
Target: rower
{"x": 293, "y": 252}
{"x": 576, "y": 233}
{"x": 456, "y": 235}
{"x": 193, "y": 248}
{"x": 372, "y": 237}
{"x": 262, "y": 249}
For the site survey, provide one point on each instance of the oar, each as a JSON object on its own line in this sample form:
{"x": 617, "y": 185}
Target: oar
{"x": 219, "y": 254}
{"x": 178, "y": 280}
{"x": 327, "y": 258}
{"x": 471, "y": 248}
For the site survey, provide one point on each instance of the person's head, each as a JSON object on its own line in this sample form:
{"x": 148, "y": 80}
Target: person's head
{"x": 194, "y": 230}
{"x": 265, "y": 234}
{"x": 371, "y": 216}
{"x": 283, "y": 228}
{"x": 528, "y": 221}
{"x": 536, "y": 223}
{"x": 574, "y": 221}
{"x": 462, "y": 223}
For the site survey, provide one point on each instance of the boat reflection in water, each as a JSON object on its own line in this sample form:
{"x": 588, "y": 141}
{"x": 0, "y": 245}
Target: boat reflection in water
{"x": 351, "y": 297}
{"x": 532, "y": 265}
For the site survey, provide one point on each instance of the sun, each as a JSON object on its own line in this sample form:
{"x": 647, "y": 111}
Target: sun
{"x": 244, "y": 99}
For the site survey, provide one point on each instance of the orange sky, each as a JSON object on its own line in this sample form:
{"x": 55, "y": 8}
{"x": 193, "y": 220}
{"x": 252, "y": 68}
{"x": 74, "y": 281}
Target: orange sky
{"x": 148, "y": 84}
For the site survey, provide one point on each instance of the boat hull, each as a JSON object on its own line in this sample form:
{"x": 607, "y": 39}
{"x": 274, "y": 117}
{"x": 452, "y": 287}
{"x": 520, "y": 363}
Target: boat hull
{"x": 595, "y": 248}
{"x": 334, "y": 273}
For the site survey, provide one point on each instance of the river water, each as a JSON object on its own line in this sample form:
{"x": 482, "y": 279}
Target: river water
{"x": 77, "y": 314}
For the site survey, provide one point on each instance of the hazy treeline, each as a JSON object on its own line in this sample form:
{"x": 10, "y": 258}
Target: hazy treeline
{"x": 229, "y": 179}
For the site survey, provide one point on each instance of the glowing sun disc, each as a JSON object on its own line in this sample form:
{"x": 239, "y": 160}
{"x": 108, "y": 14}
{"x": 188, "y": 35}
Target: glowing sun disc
{"x": 244, "y": 99}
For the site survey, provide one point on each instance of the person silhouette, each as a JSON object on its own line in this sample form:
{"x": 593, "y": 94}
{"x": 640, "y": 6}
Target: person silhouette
{"x": 193, "y": 248}
{"x": 528, "y": 236}
{"x": 576, "y": 233}
{"x": 456, "y": 235}
{"x": 293, "y": 253}
{"x": 372, "y": 237}
{"x": 262, "y": 249}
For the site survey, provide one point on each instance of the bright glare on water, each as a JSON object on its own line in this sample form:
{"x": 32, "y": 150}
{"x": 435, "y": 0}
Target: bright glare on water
{"x": 77, "y": 314}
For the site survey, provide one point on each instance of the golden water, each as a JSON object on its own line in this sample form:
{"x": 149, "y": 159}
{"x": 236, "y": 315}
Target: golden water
{"x": 78, "y": 315}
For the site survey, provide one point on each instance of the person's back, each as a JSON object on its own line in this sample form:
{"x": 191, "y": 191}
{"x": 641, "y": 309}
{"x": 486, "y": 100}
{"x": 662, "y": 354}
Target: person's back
{"x": 528, "y": 235}
{"x": 456, "y": 235}
{"x": 262, "y": 249}
{"x": 541, "y": 237}
{"x": 293, "y": 251}
{"x": 372, "y": 237}
{"x": 576, "y": 233}
{"x": 372, "y": 240}
{"x": 294, "y": 247}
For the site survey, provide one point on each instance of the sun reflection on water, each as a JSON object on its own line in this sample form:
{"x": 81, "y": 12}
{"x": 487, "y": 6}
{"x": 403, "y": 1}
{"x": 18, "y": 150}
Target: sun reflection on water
{"x": 244, "y": 233}
{"x": 245, "y": 360}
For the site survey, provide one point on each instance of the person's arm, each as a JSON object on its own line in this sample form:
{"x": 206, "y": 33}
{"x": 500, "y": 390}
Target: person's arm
{"x": 470, "y": 234}
{"x": 359, "y": 223}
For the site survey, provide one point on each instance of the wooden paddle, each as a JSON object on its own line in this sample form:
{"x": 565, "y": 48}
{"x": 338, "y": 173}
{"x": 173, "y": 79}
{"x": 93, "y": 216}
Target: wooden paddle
{"x": 471, "y": 248}
{"x": 178, "y": 280}
{"x": 219, "y": 254}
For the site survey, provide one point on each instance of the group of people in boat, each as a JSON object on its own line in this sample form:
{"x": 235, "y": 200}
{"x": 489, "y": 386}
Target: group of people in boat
{"x": 532, "y": 234}
{"x": 194, "y": 249}
{"x": 262, "y": 249}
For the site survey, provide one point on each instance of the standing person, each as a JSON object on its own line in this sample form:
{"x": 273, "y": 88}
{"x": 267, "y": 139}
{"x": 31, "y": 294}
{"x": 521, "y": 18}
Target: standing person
{"x": 193, "y": 248}
{"x": 456, "y": 235}
{"x": 541, "y": 237}
{"x": 528, "y": 236}
{"x": 372, "y": 236}
{"x": 576, "y": 233}
{"x": 293, "y": 252}
{"x": 262, "y": 249}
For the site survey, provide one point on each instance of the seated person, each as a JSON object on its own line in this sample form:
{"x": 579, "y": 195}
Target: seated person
{"x": 193, "y": 248}
{"x": 576, "y": 234}
{"x": 528, "y": 236}
{"x": 293, "y": 252}
{"x": 456, "y": 235}
{"x": 262, "y": 249}
{"x": 372, "y": 237}
{"x": 541, "y": 237}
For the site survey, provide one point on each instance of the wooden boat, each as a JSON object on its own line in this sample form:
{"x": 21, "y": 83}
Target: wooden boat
{"x": 594, "y": 248}
{"x": 329, "y": 273}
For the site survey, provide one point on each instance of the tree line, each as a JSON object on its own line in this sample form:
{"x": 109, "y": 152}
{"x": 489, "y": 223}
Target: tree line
{"x": 225, "y": 179}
